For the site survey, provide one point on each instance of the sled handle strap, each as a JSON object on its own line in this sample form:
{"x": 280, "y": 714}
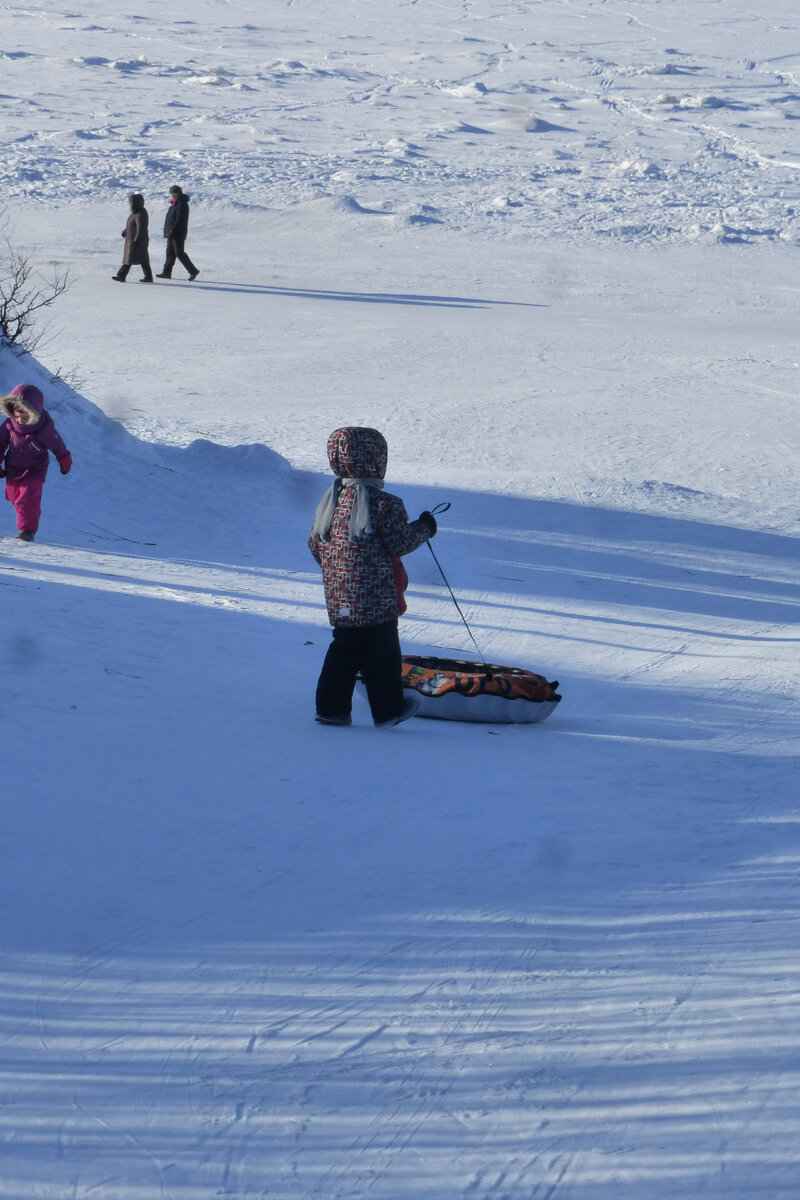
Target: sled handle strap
{"x": 452, "y": 597}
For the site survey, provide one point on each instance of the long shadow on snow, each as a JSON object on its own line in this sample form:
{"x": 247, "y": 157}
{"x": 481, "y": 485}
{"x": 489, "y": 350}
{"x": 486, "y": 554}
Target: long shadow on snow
{"x": 364, "y": 297}
{"x": 597, "y": 555}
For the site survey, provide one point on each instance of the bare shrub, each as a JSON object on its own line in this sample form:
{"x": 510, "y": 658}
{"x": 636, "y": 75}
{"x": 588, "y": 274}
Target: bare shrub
{"x": 24, "y": 294}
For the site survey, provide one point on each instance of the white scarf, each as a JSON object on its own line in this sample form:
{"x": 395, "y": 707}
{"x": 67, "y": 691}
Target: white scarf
{"x": 360, "y": 513}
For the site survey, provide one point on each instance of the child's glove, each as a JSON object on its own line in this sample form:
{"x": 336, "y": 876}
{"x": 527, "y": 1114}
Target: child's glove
{"x": 65, "y": 463}
{"x": 430, "y": 521}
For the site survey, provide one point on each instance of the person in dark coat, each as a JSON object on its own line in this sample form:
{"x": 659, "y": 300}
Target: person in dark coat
{"x": 137, "y": 241}
{"x": 176, "y": 229}
{"x": 358, "y": 530}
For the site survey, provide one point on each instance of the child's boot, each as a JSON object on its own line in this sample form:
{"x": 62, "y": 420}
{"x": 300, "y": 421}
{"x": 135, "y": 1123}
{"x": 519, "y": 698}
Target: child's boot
{"x": 409, "y": 709}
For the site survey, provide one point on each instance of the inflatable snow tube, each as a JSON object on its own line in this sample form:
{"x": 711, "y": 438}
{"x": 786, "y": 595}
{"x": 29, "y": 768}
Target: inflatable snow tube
{"x": 452, "y": 690}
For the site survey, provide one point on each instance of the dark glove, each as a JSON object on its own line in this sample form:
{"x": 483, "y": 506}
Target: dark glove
{"x": 430, "y": 521}
{"x": 2, "y": 473}
{"x": 65, "y": 463}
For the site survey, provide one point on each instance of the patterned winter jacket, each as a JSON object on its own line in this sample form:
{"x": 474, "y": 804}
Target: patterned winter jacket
{"x": 358, "y": 576}
{"x": 26, "y": 439}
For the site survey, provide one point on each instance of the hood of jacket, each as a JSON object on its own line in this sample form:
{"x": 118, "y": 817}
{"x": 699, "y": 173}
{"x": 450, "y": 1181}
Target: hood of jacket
{"x": 27, "y": 398}
{"x": 356, "y": 452}
{"x": 136, "y": 201}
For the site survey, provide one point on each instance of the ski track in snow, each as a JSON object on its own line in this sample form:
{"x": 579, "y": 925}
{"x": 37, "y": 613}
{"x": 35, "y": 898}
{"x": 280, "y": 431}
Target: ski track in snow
{"x": 549, "y": 250}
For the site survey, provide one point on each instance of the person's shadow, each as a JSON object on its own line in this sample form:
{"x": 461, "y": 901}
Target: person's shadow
{"x": 354, "y": 297}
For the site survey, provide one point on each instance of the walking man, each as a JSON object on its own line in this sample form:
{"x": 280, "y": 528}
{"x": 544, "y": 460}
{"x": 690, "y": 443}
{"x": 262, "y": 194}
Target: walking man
{"x": 176, "y": 227}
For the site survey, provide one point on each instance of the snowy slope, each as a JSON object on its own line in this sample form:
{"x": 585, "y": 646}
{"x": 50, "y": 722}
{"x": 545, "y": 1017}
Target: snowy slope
{"x": 551, "y": 251}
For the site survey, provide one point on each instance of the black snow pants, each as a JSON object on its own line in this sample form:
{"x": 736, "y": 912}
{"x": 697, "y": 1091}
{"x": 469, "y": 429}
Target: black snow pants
{"x": 175, "y": 249}
{"x": 372, "y": 650}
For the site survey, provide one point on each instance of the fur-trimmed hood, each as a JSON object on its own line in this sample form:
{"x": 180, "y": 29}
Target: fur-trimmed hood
{"x": 28, "y": 400}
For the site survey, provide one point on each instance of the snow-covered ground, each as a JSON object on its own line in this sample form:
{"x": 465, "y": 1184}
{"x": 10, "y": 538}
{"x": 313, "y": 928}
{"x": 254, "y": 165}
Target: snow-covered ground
{"x": 551, "y": 251}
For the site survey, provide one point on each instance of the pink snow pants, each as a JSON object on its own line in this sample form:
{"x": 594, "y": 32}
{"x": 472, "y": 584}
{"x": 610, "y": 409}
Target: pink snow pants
{"x": 26, "y": 496}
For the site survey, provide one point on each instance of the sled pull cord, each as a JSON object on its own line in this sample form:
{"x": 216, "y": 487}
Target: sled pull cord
{"x": 440, "y": 508}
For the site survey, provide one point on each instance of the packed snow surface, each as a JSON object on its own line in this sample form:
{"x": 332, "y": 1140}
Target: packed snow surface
{"x": 551, "y": 250}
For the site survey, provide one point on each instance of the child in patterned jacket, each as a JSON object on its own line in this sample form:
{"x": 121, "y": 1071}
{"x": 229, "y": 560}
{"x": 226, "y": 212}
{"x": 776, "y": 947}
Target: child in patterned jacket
{"x": 26, "y": 438}
{"x": 357, "y": 531}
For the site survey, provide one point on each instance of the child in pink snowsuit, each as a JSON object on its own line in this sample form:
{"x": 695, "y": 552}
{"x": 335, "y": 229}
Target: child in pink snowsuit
{"x": 26, "y": 439}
